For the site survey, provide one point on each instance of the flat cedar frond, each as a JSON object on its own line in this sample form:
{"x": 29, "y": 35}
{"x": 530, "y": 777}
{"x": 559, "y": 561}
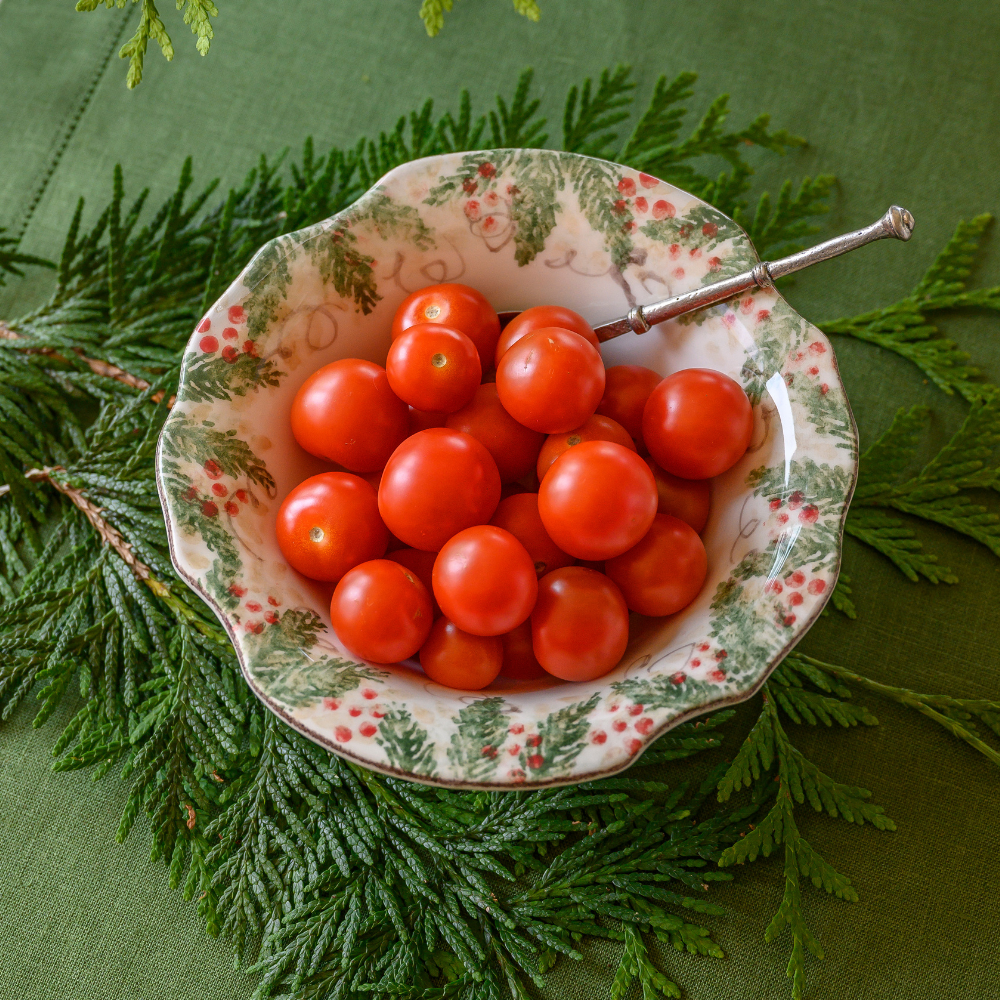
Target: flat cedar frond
{"x": 939, "y": 492}
{"x": 330, "y": 878}
{"x": 903, "y": 327}
{"x": 11, "y": 260}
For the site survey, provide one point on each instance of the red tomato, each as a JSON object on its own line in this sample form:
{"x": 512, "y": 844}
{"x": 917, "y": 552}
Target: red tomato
{"x": 697, "y": 423}
{"x": 420, "y": 420}
{"x": 458, "y": 306}
{"x": 688, "y": 499}
{"x": 519, "y": 663}
{"x": 595, "y": 428}
{"x": 434, "y": 368}
{"x": 381, "y": 611}
{"x": 626, "y": 390}
{"x": 519, "y": 515}
{"x": 551, "y": 380}
{"x": 542, "y": 316}
{"x": 665, "y": 571}
{"x": 597, "y": 500}
{"x": 330, "y": 523}
{"x": 346, "y": 412}
{"x": 579, "y": 628}
{"x": 460, "y": 660}
{"x": 437, "y": 482}
{"x": 484, "y": 580}
{"x": 513, "y": 446}
{"x": 421, "y": 563}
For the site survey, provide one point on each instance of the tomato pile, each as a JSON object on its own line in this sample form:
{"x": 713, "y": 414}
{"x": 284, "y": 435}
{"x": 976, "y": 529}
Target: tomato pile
{"x": 510, "y": 525}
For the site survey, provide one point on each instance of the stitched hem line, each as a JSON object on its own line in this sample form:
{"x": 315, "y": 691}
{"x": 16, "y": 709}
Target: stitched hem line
{"x": 68, "y": 128}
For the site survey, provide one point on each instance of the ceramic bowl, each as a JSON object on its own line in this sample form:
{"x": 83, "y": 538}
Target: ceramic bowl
{"x": 525, "y": 227}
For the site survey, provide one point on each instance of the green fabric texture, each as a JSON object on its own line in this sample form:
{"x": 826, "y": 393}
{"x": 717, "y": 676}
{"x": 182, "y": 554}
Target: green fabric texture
{"x": 898, "y": 100}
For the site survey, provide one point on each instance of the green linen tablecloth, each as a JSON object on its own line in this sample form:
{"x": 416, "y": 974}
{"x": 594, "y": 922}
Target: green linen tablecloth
{"x": 899, "y": 100}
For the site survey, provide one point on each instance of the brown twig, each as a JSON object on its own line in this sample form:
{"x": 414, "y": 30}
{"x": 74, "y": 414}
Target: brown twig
{"x": 102, "y": 368}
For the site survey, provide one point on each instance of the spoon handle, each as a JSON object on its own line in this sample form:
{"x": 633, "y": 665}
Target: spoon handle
{"x": 897, "y": 224}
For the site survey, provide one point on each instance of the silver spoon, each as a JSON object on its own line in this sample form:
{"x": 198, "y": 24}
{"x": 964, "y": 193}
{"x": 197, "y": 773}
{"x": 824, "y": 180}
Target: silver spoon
{"x": 897, "y": 224}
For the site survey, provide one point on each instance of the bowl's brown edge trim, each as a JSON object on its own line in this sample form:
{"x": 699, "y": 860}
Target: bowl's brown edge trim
{"x": 278, "y": 709}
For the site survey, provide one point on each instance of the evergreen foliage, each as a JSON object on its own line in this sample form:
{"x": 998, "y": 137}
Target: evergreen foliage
{"x": 330, "y": 880}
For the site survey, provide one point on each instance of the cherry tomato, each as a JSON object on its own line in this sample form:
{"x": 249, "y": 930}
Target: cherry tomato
{"x": 421, "y": 563}
{"x": 579, "y": 628}
{"x": 436, "y": 483}
{"x": 330, "y": 523}
{"x": 551, "y": 380}
{"x": 595, "y": 428}
{"x": 519, "y": 662}
{"x": 688, "y": 499}
{"x": 519, "y": 515}
{"x": 665, "y": 571}
{"x": 484, "y": 580}
{"x": 542, "y": 316}
{"x": 381, "y": 611}
{"x": 458, "y": 306}
{"x": 434, "y": 368}
{"x": 420, "y": 420}
{"x": 347, "y": 413}
{"x": 513, "y": 446}
{"x": 459, "y": 659}
{"x": 626, "y": 390}
{"x": 597, "y": 500}
{"x": 697, "y": 423}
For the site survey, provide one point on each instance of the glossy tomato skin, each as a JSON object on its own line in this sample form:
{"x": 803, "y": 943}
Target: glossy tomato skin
{"x": 626, "y": 389}
{"x": 688, "y": 499}
{"x": 538, "y": 317}
{"x": 519, "y": 661}
{"x": 551, "y": 380}
{"x": 697, "y": 423}
{"x": 420, "y": 420}
{"x": 519, "y": 515}
{"x": 484, "y": 580}
{"x": 347, "y": 413}
{"x": 330, "y": 523}
{"x": 513, "y": 446}
{"x": 437, "y": 483}
{"x": 457, "y": 306}
{"x": 594, "y": 428}
{"x": 664, "y": 572}
{"x": 433, "y": 367}
{"x": 381, "y": 611}
{"x": 421, "y": 563}
{"x": 597, "y": 500}
{"x": 579, "y": 628}
{"x": 459, "y": 659}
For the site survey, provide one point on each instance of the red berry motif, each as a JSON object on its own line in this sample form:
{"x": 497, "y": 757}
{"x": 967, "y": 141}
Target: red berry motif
{"x": 229, "y": 353}
{"x": 633, "y": 746}
{"x": 271, "y": 618}
{"x": 342, "y": 734}
{"x": 488, "y": 751}
{"x": 469, "y": 185}
{"x": 516, "y": 729}
{"x": 809, "y": 514}
{"x": 663, "y": 210}
{"x": 249, "y": 347}
{"x": 273, "y": 601}
{"x": 472, "y": 210}
{"x": 795, "y": 598}
{"x": 721, "y": 654}
{"x": 331, "y": 703}
{"x": 205, "y": 325}
{"x": 230, "y": 333}
{"x": 209, "y": 344}
{"x": 709, "y": 229}
{"x": 817, "y": 348}
{"x": 635, "y": 710}
{"x": 534, "y": 740}
{"x": 514, "y": 750}
{"x": 599, "y": 736}
{"x": 241, "y": 495}
{"x": 717, "y": 675}
{"x": 775, "y": 503}
{"x": 369, "y": 694}
{"x": 813, "y": 370}
{"x": 644, "y": 725}
{"x": 367, "y": 729}
{"x": 535, "y": 761}
{"x": 231, "y": 509}
{"x": 355, "y": 711}
{"x": 627, "y": 186}
{"x": 219, "y": 490}
{"x": 714, "y": 263}
{"x": 619, "y": 725}
{"x": 648, "y": 181}
{"x": 236, "y": 590}
{"x": 795, "y": 579}
{"x": 209, "y": 509}
{"x": 212, "y": 469}
{"x": 236, "y": 314}
{"x": 704, "y": 647}
{"x": 816, "y": 586}
{"x": 824, "y": 389}
{"x": 641, "y": 205}
{"x": 746, "y": 305}
{"x": 679, "y": 678}
{"x": 491, "y": 199}
{"x": 253, "y": 606}
{"x": 191, "y": 492}
{"x": 763, "y": 314}
{"x": 696, "y": 663}
{"x": 788, "y": 620}
{"x": 487, "y": 169}
{"x": 782, "y": 519}
{"x": 678, "y": 273}
{"x": 619, "y": 207}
